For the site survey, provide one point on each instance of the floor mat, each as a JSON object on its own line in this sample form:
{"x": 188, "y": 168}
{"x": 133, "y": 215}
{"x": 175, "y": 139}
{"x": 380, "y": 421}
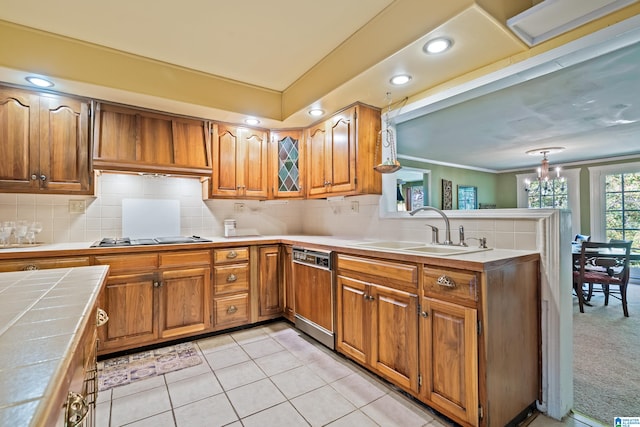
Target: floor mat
{"x": 134, "y": 367}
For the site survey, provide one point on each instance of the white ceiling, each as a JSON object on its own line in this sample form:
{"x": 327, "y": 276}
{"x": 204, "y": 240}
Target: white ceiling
{"x": 282, "y": 44}
{"x": 592, "y": 109}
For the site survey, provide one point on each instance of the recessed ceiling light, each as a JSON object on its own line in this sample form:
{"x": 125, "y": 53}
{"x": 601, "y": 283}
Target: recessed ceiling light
{"x": 437, "y": 45}
{"x": 39, "y": 81}
{"x": 316, "y": 112}
{"x": 400, "y": 79}
{"x": 252, "y": 122}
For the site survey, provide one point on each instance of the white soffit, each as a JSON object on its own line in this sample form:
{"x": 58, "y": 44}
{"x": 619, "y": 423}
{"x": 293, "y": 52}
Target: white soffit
{"x": 554, "y": 17}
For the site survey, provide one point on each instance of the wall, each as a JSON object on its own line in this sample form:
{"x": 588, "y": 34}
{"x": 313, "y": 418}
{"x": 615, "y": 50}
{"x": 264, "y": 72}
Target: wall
{"x": 103, "y": 217}
{"x": 506, "y": 184}
{"x": 485, "y": 181}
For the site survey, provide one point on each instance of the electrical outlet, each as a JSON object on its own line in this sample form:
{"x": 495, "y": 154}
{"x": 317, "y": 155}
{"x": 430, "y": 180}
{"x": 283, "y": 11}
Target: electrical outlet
{"x": 238, "y": 207}
{"x": 77, "y": 206}
{"x": 355, "y": 207}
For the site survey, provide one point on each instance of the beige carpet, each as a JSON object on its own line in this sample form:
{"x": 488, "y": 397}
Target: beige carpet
{"x": 606, "y": 358}
{"x": 134, "y": 367}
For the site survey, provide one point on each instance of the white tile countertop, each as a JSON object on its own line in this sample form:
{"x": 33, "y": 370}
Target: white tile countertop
{"x": 41, "y": 314}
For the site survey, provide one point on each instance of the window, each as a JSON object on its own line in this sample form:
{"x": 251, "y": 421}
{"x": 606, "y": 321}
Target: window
{"x": 548, "y": 194}
{"x": 622, "y": 207}
{"x": 567, "y": 199}
{"x": 615, "y": 202}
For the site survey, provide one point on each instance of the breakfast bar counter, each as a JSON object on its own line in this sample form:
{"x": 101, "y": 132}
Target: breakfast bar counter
{"x": 47, "y": 322}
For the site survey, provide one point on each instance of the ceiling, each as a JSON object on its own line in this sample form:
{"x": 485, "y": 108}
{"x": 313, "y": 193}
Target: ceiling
{"x": 591, "y": 109}
{"x": 228, "y": 60}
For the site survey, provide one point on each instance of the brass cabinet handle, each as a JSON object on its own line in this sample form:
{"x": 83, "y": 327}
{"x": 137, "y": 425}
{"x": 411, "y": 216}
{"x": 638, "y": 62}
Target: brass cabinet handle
{"x": 43, "y": 178}
{"x": 446, "y": 282}
{"x": 424, "y": 314}
{"x": 231, "y": 278}
{"x": 101, "y": 317}
{"x": 232, "y": 309}
{"x": 157, "y": 284}
{"x": 30, "y": 267}
{"x": 76, "y": 411}
{"x": 232, "y": 255}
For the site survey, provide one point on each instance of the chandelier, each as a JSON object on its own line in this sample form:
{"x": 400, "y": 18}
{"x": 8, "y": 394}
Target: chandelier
{"x": 545, "y": 181}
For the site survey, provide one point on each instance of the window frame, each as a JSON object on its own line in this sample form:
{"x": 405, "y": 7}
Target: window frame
{"x": 597, "y": 181}
{"x": 572, "y": 181}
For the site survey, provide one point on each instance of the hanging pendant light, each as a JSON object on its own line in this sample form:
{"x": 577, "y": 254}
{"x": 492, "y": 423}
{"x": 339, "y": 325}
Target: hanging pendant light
{"x": 387, "y": 140}
{"x": 545, "y": 180}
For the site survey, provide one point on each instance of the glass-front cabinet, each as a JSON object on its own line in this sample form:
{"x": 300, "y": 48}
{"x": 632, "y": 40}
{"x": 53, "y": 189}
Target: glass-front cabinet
{"x": 286, "y": 153}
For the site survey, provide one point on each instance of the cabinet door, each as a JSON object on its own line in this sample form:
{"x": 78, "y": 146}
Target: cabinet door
{"x": 19, "y": 133}
{"x": 269, "y": 286}
{"x": 394, "y": 344}
{"x": 287, "y": 272}
{"x": 450, "y": 360}
{"x": 225, "y": 159}
{"x": 192, "y": 143}
{"x": 64, "y": 145}
{"x": 129, "y": 301}
{"x": 184, "y": 301}
{"x": 286, "y": 164}
{"x": 316, "y": 160}
{"x": 252, "y": 169}
{"x": 341, "y": 152}
{"x": 353, "y": 307}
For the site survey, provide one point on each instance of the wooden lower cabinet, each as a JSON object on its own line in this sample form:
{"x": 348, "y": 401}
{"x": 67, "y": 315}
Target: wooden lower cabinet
{"x": 43, "y": 263}
{"x": 449, "y": 362}
{"x": 154, "y": 297}
{"x": 465, "y": 342}
{"x": 287, "y": 283}
{"x": 270, "y": 298}
{"x": 377, "y": 325}
{"x": 130, "y": 302}
{"x": 231, "y": 288}
{"x": 184, "y": 306}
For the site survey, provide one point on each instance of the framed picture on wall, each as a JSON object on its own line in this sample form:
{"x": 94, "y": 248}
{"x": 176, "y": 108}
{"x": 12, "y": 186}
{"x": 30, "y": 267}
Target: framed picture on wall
{"x": 447, "y": 197}
{"x": 467, "y": 197}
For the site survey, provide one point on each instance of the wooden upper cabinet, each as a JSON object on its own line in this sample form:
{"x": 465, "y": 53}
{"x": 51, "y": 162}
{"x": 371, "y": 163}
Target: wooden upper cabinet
{"x": 44, "y": 143}
{"x": 240, "y": 162}
{"x": 286, "y": 164}
{"x": 128, "y": 139}
{"x": 342, "y": 152}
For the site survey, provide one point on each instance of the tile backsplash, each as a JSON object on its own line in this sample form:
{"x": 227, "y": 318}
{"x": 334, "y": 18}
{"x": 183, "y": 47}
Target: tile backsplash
{"x": 352, "y": 217}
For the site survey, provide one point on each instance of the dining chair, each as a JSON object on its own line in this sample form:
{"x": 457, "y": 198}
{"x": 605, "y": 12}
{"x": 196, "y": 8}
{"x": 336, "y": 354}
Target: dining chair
{"x": 603, "y": 264}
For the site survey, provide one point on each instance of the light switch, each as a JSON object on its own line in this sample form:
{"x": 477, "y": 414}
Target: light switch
{"x": 77, "y": 206}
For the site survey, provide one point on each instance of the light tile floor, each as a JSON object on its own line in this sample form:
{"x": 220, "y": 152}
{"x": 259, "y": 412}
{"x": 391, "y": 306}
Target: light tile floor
{"x": 270, "y": 375}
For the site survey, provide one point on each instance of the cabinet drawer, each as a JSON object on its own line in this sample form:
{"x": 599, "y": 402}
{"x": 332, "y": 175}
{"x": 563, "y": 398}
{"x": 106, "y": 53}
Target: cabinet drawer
{"x": 389, "y": 272}
{"x": 452, "y": 284}
{"x": 184, "y": 258}
{"x": 128, "y": 263}
{"x": 231, "y": 278}
{"x": 43, "y": 264}
{"x": 230, "y": 255}
{"x": 231, "y": 310}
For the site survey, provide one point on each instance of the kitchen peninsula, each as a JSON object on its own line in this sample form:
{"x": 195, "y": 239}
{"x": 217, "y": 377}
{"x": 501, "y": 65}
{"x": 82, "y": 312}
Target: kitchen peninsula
{"x": 47, "y": 345}
{"x": 455, "y": 314}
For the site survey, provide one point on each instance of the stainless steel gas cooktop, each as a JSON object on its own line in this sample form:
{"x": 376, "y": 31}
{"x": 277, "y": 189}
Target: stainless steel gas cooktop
{"x": 126, "y": 241}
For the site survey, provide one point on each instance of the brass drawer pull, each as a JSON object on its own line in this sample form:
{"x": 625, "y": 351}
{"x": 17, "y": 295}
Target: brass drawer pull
{"x": 101, "y": 317}
{"x": 232, "y": 255}
{"x": 30, "y": 267}
{"x": 232, "y": 309}
{"x": 231, "y": 278}
{"x": 77, "y": 409}
{"x": 446, "y": 282}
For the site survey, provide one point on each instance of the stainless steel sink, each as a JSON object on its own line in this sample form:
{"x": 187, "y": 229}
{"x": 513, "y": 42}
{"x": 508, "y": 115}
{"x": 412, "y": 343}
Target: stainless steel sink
{"x": 414, "y": 247}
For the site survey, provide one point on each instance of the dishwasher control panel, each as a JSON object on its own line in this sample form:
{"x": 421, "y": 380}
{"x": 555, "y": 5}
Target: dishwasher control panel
{"x": 313, "y": 257}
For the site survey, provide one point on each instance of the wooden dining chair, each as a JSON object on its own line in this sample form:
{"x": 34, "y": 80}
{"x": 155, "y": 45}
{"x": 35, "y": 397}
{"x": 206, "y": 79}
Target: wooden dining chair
{"x": 603, "y": 264}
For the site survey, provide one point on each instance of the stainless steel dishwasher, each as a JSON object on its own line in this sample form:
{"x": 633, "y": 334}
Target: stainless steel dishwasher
{"x": 314, "y": 294}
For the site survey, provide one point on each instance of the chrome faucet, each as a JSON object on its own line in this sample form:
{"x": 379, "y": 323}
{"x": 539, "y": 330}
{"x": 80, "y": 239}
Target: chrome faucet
{"x": 447, "y": 240}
